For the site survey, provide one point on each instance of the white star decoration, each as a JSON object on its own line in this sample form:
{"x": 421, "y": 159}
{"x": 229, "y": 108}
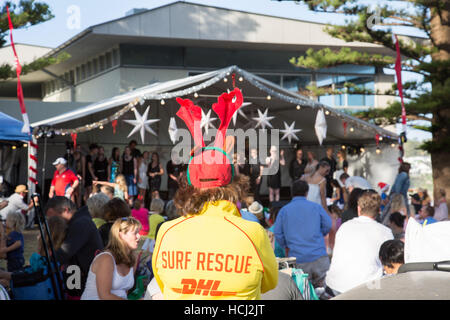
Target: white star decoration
{"x": 206, "y": 121}
{"x": 173, "y": 129}
{"x": 290, "y": 132}
{"x": 320, "y": 126}
{"x": 141, "y": 123}
{"x": 263, "y": 119}
{"x": 240, "y": 112}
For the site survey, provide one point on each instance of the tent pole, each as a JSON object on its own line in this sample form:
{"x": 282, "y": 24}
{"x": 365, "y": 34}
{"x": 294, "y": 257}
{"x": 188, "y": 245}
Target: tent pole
{"x": 44, "y": 164}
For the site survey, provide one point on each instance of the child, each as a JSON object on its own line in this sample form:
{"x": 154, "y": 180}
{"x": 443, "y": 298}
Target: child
{"x": 155, "y": 218}
{"x": 426, "y": 214}
{"x": 120, "y": 187}
{"x": 15, "y": 222}
{"x": 141, "y": 214}
{"x": 392, "y": 256}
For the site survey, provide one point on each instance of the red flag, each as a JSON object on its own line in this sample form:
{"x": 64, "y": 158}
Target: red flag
{"x": 26, "y": 122}
{"x": 74, "y": 139}
{"x": 114, "y": 124}
{"x": 398, "y": 71}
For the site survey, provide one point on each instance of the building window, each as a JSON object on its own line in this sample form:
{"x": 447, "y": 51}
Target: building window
{"x": 83, "y": 72}
{"x": 102, "y": 64}
{"x": 115, "y": 57}
{"x": 95, "y": 66}
{"x": 296, "y": 83}
{"x": 108, "y": 60}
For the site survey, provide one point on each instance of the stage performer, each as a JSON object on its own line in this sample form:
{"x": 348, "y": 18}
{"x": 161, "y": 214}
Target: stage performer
{"x": 211, "y": 252}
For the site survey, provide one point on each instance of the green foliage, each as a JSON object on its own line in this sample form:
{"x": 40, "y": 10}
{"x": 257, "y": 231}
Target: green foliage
{"x": 420, "y": 100}
{"x": 24, "y": 14}
{"x": 7, "y": 71}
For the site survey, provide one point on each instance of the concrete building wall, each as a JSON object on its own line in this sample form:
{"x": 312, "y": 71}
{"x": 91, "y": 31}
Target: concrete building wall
{"x": 132, "y": 78}
{"x": 383, "y": 82}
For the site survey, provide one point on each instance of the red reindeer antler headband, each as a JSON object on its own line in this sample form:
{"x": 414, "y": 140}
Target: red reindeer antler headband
{"x": 210, "y": 167}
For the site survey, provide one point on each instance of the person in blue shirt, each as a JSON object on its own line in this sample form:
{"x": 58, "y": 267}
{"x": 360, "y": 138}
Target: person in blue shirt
{"x": 402, "y": 182}
{"x": 15, "y": 222}
{"x": 300, "y": 227}
{"x": 426, "y": 214}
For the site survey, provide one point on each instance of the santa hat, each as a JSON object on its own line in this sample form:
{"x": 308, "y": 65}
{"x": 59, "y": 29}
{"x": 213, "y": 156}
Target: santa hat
{"x": 384, "y": 187}
{"x": 211, "y": 167}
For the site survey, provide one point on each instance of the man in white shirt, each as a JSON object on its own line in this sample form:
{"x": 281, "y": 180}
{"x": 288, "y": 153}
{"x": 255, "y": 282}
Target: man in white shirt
{"x": 355, "y": 258}
{"x": 15, "y": 202}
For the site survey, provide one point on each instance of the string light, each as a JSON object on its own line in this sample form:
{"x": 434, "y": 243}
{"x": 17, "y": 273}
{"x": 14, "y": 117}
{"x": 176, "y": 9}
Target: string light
{"x": 299, "y": 101}
{"x": 352, "y": 129}
{"x": 196, "y": 95}
{"x": 25, "y": 145}
{"x": 381, "y": 138}
{"x": 343, "y": 147}
{"x": 13, "y": 147}
{"x": 101, "y": 127}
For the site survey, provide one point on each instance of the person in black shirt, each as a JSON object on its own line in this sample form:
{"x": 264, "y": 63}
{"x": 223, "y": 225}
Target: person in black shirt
{"x": 82, "y": 239}
{"x": 297, "y": 166}
{"x": 173, "y": 169}
{"x": 88, "y": 170}
{"x": 134, "y": 151}
{"x": 332, "y": 162}
{"x": 101, "y": 165}
{"x": 255, "y": 171}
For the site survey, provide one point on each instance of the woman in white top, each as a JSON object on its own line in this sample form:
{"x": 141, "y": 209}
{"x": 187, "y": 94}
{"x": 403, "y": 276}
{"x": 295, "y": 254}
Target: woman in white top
{"x": 317, "y": 185}
{"x": 111, "y": 273}
{"x": 311, "y": 165}
{"x": 142, "y": 174}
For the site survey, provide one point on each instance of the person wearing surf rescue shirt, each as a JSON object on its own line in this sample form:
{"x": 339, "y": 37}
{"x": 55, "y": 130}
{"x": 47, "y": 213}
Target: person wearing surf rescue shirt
{"x": 211, "y": 252}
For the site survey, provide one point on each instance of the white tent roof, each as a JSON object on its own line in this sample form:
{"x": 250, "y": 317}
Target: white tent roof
{"x": 256, "y": 90}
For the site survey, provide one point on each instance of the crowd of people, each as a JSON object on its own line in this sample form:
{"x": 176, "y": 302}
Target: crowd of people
{"x": 104, "y": 213}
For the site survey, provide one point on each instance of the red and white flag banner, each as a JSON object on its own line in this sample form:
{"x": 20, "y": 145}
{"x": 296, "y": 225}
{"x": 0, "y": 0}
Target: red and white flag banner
{"x": 26, "y": 121}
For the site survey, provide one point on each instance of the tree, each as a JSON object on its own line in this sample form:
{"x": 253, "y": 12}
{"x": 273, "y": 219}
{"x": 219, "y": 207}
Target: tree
{"x": 23, "y": 15}
{"x": 429, "y": 58}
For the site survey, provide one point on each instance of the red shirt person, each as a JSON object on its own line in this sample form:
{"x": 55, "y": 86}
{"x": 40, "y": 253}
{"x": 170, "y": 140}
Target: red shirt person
{"x": 64, "y": 180}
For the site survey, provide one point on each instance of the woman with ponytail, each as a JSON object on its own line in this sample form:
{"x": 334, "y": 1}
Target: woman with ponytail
{"x": 111, "y": 273}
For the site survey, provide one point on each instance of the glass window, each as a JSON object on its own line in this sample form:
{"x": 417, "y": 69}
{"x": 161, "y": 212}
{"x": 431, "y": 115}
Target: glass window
{"x": 272, "y": 78}
{"x": 72, "y": 76}
{"x": 83, "y": 71}
{"x": 115, "y": 57}
{"x": 108, "y": 60}
{"x": 101, "y": 64}
{"x": 349, "y": 68}
{"x": 88, "y": 69}
{"x": 296, "y": 83}
{"x": 95, "y": 66}
{"x": 78, "y": 74}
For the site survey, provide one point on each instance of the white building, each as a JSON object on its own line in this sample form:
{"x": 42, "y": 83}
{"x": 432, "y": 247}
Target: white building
{"x": 183, "y": 39}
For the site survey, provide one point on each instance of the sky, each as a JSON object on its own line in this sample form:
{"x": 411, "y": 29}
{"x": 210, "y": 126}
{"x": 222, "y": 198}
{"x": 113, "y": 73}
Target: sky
{"x": 74, "y": 16}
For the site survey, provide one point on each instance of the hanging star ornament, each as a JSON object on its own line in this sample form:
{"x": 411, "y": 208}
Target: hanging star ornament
{"x": 173, "y": 129}
{"x": 207, "y": 121}
{"x": 320, "y": 126}
{"x": 141, "y": 123}
{"x": 240, "y": 112}
{"x": 263, "y": 119}
{"x": 290, "y": 132}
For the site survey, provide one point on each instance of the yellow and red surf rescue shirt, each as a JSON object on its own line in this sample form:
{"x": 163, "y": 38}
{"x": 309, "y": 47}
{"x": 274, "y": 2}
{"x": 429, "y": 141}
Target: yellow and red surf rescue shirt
{"x": 214, "y": 255}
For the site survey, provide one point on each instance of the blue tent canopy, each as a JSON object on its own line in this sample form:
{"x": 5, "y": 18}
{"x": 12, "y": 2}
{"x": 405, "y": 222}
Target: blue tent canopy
{"x": 11, "y": 129}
